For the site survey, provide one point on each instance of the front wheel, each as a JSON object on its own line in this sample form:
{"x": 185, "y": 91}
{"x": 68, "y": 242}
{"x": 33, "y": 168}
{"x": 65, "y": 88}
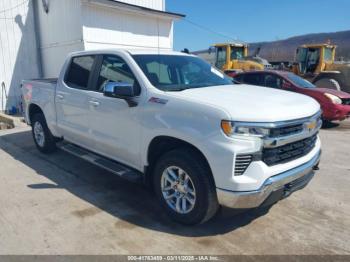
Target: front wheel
{"x": 184, "y": 187}
{"x": 42, "y": 136}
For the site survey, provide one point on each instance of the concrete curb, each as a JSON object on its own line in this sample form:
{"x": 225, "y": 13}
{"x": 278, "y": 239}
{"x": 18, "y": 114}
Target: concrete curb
{"x": 11, "y": 121}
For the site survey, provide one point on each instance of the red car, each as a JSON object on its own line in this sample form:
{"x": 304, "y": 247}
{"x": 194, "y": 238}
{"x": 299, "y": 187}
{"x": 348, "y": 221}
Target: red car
{"x": 335, "y": 104}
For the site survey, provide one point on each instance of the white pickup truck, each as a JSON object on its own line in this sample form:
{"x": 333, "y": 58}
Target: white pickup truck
{"x": 172, "y": 121}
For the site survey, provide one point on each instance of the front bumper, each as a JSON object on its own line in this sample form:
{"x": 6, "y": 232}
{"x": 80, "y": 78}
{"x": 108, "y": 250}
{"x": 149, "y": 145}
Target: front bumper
{"x": 282, "y": 184}
{"x": 337, "y": 112}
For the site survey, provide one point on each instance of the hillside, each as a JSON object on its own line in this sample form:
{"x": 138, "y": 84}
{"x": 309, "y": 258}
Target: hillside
{"x": 284, "y": 50}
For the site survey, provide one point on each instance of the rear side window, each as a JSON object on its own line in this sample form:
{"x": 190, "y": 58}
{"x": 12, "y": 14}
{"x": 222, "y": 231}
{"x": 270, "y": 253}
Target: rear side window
{"x": 239, "y": 78}
{"x": 79, "y": 72}
{"x": 253, "y": 79}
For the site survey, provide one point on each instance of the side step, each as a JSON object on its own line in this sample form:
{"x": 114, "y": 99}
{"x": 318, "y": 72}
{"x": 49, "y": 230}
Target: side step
{"x": 105, "y": 163}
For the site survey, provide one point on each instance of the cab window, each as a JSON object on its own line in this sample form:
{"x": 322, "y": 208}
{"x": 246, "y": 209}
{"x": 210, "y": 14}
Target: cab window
{"x": 328, "y": 54}
{"x": 221, "y": 57}
{"x": 115, "y": 69}
{"x": 79, "y": 72}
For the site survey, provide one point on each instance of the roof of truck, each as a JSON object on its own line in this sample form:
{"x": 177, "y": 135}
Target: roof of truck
{"x": 131, "y": 51}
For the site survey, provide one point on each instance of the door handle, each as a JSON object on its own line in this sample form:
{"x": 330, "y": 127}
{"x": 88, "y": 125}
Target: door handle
{"x": 94, "y": 103}
{"x": 59, "y": 96}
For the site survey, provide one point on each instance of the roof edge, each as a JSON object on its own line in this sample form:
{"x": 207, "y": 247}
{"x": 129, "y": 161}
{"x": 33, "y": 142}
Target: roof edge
{"x": 138, "y": 8}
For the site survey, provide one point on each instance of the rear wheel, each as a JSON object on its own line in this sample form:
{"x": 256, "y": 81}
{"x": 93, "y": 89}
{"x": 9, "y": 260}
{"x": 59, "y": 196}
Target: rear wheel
{"x": 184, "y": 187}
{"x": 42, "y": 136}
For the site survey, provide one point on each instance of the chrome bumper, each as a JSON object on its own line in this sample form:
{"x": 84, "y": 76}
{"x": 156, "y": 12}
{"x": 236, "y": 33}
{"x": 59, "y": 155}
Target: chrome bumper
{"x": 288, "y": 181}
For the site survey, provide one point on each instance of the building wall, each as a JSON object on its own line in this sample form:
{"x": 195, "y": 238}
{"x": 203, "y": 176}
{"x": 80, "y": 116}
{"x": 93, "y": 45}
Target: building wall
{"x": 105, "y": 27}
{"x": 60, "y": 33}
{"x": 18, "y": 50}
{"x": 34, "y": 43}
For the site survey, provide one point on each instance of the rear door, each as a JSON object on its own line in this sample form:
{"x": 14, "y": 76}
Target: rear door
{"x": 72, "y": 101}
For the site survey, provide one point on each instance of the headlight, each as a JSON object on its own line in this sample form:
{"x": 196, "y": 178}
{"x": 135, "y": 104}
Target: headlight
{"x": 333, "y": 98}
{"x": 231, "y": 129}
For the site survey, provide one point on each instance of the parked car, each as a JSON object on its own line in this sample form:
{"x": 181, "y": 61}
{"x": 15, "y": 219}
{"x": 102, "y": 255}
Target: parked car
{"x": 172, "y": 121}
{"x": 335, "y": 104}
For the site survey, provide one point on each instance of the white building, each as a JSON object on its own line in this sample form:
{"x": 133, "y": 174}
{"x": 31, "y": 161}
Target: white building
{"x": 36, "y": 35}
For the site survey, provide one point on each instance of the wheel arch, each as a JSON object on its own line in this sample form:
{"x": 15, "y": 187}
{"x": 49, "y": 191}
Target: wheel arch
{"x": 32, "y": 110}
{"x": 163, "y": 144}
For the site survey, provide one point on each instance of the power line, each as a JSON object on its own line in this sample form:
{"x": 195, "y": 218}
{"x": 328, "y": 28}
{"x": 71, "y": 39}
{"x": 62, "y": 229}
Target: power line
{"x": 13, "y": 7}
{"x": 208, "y": 29}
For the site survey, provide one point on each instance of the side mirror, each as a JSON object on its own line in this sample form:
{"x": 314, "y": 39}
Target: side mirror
{"x": 120, "y": 90}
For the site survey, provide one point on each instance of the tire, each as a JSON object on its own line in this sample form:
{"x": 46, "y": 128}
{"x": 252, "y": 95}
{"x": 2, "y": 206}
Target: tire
{"x": 200, "y": 197}
{"x": 328, "y": 83}
{"x": 329, "y": 80}
{"x": 43, "y": 139}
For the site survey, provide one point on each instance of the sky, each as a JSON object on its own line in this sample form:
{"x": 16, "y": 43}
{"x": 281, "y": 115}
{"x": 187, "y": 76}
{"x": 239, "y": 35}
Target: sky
{"x": 209, "y": 21}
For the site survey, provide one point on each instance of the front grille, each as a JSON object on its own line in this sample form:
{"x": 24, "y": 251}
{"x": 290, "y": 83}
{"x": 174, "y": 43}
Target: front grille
{"x": 242, "y": 163}
{"x": 286, "y": 130}
{"x": 346, "y": 101}
{"x": 289, "y": 152}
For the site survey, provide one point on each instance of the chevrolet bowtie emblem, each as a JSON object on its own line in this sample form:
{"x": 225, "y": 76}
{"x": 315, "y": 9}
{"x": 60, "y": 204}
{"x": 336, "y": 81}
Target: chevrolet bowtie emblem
{"x": 311, "y": 126}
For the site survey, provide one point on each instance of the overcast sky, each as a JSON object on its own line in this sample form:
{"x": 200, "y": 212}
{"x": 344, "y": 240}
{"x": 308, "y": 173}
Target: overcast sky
{"x": 254, "y": 20}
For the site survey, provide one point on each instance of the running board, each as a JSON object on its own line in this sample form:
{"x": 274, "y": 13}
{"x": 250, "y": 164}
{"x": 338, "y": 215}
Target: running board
{"x": 105, "y": 163}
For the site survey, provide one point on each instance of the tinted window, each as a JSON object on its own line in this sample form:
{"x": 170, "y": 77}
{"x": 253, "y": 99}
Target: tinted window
{"x": 297, "y": 80}
{"x": 79, "y": 72}
{"x": 253, "y": 79}
{"x": 179, "y": 72}
{"x": 115, "y": 69}
{"x": 273, "y": 81}
{"x": 239, "y": 78}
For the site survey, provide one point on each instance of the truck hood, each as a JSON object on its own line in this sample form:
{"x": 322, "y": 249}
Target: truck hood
{"x": 254, "y": 104}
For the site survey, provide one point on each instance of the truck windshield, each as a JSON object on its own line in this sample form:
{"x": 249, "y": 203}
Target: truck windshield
{"x": 297, "y": 80}
{"x": 179, "y": 72}
{"x": 328, "y": 54}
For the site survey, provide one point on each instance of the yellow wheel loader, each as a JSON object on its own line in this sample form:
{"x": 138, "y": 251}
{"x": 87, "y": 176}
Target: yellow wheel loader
{"x": 232, "y": 58}
{"x": 315, "y": 62}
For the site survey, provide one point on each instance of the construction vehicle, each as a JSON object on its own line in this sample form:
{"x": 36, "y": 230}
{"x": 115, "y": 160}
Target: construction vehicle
{"x": 315, "y": 62}
{"x": 232, "y": 58}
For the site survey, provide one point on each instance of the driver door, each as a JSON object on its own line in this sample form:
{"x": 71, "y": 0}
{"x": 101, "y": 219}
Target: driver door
{"x": 114, "y": 125}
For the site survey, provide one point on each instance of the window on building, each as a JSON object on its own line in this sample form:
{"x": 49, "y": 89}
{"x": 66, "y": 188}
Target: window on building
{"x": 79, "y": 72}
